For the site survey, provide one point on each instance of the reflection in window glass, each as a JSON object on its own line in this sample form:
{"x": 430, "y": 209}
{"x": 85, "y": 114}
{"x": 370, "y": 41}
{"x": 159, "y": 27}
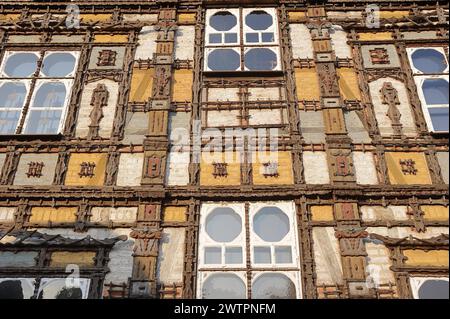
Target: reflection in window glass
{"x": 58, "y": 289}
{"x": 224, "y": 286}
{"x": 429, "y": 61}
{"x": 435, "y": 91}
{"x": 233, "y": 255}
{"x": 213, "y": 255}
{"x": 50, "y": 95}
{"x": 21, "y": 65}
{"x": 43, "y": 122}
{"x": 16, "y": 288}
{"x": 9, "y": 121}
{"x": 434, "y": 289}
{"x": 223, "y": 21}
{"x": 259, "y": 20}
{"x": 223, "y": 225}
{"x": 260, "y": 59}
{"x": 58, "y": 65}
{"x": 273, "y": 286}
{"x": 439, "y": 118}
{"x": 224, "y": 60}
{"x": 271, "y": 224}
{"x": 283, "y": 255}
{"x": 262, "y": 255}
{"x": 12, "y": 95}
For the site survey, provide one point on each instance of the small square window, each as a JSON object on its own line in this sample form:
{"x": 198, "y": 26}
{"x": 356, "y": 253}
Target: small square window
{"x": 262, "y": 255}
{"x": 233, "y": 255}
{"x": 215, "y": 38}
{"x": 283, "y": 255}
{"x": 231, "y": 38}
{"x": 252, "y": 37}
{"x": 213, "y": 255}
{"x": 268, "y": 37}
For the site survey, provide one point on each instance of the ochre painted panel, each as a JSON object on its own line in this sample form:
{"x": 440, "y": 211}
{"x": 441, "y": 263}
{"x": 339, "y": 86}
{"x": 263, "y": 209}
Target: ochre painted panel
{"x": 106, "y": 38}
{"x": 141, "y": 85}
{"x": 436, "y": 258}
{"x": 419, "y": 163}
{"x": 73, "y": 177}
{"x": 348, "y": 84}
{"x": 393, "y": 14}
{"x": 64, "y": 258}
{"x": 186, "y": 18}
{"x": 286, "y": 175}
{"x": 435, "y": 212}
{"x": 182, "y": 87}
{"x": 295, "y": 16}
{"x": 43, "y": 215}
{"x": 95, "y": 17}
{"x": 175, "y": 213}
{"x": 307, "y": 82}
{"x": 322, "y": 213}
{"x": 378, "y": 36}
{"x": 207, "y": 177}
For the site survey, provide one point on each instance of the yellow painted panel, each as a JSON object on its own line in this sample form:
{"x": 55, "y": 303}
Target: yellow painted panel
{"x": 182, "y": 86}
{"x": 234, "y": 170}
{"x": 186, "y": 18}
{"x": 53, "y": 214}
{"x": 175, "y": 213}
{"x": 307, "y": 82}
{"x": 322, "y": 213}
{"x": 378, "y": 36}
{"x": 95, "y": 17}
{"x": 9, "y": 17}
{"x": 393, "y": 14}
{"x": 438, "y": 258}
{"x": 141, "y": 85}
{"x": 73, "y": 178}
{"x": 108, "y": 38}
{"x": 64, "y": 258}
{"x": 396, "y": 175}
{"x": 286, "y": 175}
{"x": 435, "y": 212}
{"x": 296, "y": 15}
{"x": 348, "y": 84}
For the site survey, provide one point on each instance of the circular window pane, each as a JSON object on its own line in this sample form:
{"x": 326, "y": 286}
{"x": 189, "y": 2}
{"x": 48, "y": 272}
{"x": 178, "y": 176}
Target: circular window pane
{"x": 259, "y": 20}
{"x": 429, "y": 61}
{"x": 224, "y": 60}
{"x": 21, "y": 65}
{"x": 223, "y": 286}
{"x": 271, "y": 224}
{"x": 223, "y": 225}
{"x": 58, "y": 64}
{"x": 12, "y": 95}
{"x": 260, "y": 59}
{"x": 223, "y": 21}
{"x": 434, "y": 289}
{"x": 50, "y": 95}
{"x": 273, "y": 286}
{"x": 435, "y": 91}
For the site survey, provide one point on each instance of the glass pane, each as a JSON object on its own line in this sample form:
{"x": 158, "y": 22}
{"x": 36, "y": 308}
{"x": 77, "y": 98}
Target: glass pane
{"x": 252, "y": 37}
{"x": 268, "y": 37}
{"x": 233, "y": 255}
{"x": 223, "y": 21}
{"x": 260, "y": 59}
{"x": 283, "y": 255}
{"x": 429, "y": 61}
{"x": 262, "y": 255}
{"x": 435, "y": 91}
{"x": 213, "y": 255}
{"x": 58, "y": 289}
{"x": 223, "y": 225}
{"x": 50, "y": 95}
{"x": 271, "y": 224}
{"x": 259, "y": 20}
{"x": 224, "y": 60}
{"x": 43, "y": 122}
{"x": 58, "y": 64}
{"x": 273, "y": 286}
{"x": 231, "y": 38}
{"x": 16, "y": 288}
{"x": 434, "y": 289}
{"x": 12, "y": 95}
{"x": 223, "y": 286}
{"x": 9, "y": 121}
{"x": 215, "y": 38}
{"x": 439, "y": 118}
{"x": 21, "y": 65}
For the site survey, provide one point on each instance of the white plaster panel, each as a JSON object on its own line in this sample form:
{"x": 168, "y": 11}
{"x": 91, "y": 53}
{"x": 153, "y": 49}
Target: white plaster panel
{"x": 113, "y": 214}
{"x": 326, "y": 256}
{"x": 130, "y": 169}
{"x": 109, "y": 111}
{"x": 7, "y": 214}
{"x": 262, "y": 117}
{"x": 339, "y": 43}
{"x": 146, "y": 43}
{"x": 178, "y": 168}
{"x": 316, "y": 168}
{"x": 366, "y": 172}
{"x": 402, "y": 232}
{"x": 184, "y": 43}
{"x": 171, "y": 256}
{"x": 378, "y": 263}
{"x": 223, "y": 118}
{"x": 264, "y": 94}
{"x": 148, "y": 18}
{"x": 373, "y": 213}
{"x": 302, "y": 46}
{"x": 223, "y": 94}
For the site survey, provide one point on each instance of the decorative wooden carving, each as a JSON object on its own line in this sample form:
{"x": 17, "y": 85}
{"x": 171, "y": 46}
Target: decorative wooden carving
{"x": 379, "y": 56}
{"x": 162, "y": 80}
{"x": 99, "y": 100}
{"x": 220, "y": 170}
{"x": 271, "y": 170}
{"x": 352, "y": 247}
{"x": 87, "y": 169}
{"x": 408, "y": 167}
{"x": 389, "y": 96}
{"x": 107, "y": 58}
{"x": 35, "y": 169}
{"x": 153, "y": 168}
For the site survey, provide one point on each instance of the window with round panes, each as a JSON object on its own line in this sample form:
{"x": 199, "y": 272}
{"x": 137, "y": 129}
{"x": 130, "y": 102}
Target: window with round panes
{"x": 248, "y": 250}
{"x": 431, "y": 74}
{"x": 35, "y": 90}
{"x": 242, "y": 40}
{"x": 430, "y": 287}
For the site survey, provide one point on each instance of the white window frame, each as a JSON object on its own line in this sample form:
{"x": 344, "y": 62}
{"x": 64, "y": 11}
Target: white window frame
{"x": 272, "y": 29}
{"x": 210, "y": 30}
{"x": 420, "y": 78}
{"x": 67, "y": 80}
{"x": 292, "y": 275}
{"x": 417, "y": 282}
{"x": 27, "y": 83}
{"x": 204, "y": 275}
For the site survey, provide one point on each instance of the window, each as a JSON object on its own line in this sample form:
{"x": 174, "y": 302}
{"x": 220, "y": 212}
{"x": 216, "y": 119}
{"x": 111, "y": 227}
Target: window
{"x": 430, "y": 69}
{"x": 242, "y": 40}
{"x": 35, "y": 89}
{"x": 430, "y": 288}
{"x": 257, "y": 241}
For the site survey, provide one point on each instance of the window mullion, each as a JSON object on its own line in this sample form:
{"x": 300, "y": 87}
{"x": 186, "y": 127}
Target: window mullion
{"x": 242, "y": 34}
